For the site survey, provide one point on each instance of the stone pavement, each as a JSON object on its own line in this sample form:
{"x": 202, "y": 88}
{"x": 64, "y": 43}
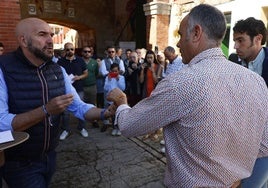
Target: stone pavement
{"x": 105, "y": 161}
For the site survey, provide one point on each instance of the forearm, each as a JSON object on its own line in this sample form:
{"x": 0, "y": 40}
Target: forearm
{"x": 26, "y": 120}
{"x": 83, "y": 76}
{"x": 96, "y": 114}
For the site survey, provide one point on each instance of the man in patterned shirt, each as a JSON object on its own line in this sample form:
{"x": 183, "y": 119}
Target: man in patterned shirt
{"x": 214, "y": 113}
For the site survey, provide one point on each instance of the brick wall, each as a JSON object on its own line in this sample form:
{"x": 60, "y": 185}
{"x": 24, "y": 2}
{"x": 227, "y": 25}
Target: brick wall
{"x": 162, "y": 31}
{"x": 9, "y": 17}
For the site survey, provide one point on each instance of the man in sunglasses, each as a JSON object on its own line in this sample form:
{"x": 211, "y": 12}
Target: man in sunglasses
{"x": 109, "y": 60}
{"x": 90, "y": 87}
{"x": 104, "y": 71}
{"x": 77, "y": 70}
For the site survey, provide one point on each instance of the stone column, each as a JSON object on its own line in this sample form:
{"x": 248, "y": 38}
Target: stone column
{"x": 157, "y": 24}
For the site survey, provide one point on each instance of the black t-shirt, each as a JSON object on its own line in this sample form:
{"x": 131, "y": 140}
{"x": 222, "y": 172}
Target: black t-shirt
{"x": 76, "y": 67}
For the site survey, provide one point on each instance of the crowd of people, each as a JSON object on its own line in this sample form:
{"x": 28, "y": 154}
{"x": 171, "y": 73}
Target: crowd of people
{"x": 136, "y": 74}
{"x": 213, "y": 113}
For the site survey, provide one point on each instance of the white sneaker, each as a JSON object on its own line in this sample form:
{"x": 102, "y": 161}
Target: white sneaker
{"x": 163, "y": 150}
{"x": 114, "y": 132}
{"x": 84, "y": 133}
{"x": 64, "y": 135}
{"x": 162, "y": 142}
{"x": 118, "y": 133}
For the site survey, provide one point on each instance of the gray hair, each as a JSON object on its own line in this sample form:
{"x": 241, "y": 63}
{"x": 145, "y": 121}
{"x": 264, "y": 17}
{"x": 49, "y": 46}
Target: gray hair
{"x": 170, "y": 49}
{"x": 210, "y": 19}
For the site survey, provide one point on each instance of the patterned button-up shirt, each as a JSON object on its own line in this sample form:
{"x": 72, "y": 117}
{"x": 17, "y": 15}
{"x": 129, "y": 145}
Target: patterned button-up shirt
{"x": 214, "y": 113}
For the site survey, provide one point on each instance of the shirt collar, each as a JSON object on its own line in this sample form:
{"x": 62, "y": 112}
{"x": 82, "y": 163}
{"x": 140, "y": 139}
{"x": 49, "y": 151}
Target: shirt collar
{"x": 207, "y": 54}
{"x": 256, "y": 64}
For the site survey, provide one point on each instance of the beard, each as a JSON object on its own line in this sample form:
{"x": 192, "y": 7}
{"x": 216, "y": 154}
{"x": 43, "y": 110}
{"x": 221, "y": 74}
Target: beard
{"x": 39, "y": 52}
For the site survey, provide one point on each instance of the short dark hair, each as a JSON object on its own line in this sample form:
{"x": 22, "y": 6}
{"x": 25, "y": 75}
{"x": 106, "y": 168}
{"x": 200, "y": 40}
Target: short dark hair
{"x": 251, "y": 27}
{"x": 114, "y": 65}
{"x": 111, "y": 46}
{"x": 1, "y": 44}
{"x": 128, "y": 50}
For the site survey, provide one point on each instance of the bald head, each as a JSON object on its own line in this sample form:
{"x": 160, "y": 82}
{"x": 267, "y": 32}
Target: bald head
{"x": 35, "y": 39}
{"x": 26, "y": 26}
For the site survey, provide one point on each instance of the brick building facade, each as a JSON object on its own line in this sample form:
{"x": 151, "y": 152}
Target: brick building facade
{"x": 106, "y": 22}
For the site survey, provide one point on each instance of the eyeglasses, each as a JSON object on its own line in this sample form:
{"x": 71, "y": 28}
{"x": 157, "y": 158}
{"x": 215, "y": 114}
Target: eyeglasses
{"x": 110, "y": 52}
{"x": 69, "y": 49}
{"x": 87, "y": 51}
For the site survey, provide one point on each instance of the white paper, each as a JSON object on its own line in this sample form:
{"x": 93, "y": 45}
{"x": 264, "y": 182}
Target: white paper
{"x": 71, "y": 76}
{"x": 6, "y": 136}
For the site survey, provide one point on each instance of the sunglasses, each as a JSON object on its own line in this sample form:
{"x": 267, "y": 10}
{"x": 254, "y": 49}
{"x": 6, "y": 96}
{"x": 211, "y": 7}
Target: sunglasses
{"x": 110, "y": 52}
{"x": 69, "y": 49}
{"x": 87, "y": 51}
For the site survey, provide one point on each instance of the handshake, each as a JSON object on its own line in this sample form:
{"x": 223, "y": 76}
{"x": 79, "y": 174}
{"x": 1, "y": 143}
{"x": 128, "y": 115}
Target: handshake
{"x": 117, "y": 96}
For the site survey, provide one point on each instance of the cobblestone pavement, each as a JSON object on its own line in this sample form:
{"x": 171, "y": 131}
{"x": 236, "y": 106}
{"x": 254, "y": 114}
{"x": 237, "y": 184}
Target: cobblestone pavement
{"x": 107, "y": 161}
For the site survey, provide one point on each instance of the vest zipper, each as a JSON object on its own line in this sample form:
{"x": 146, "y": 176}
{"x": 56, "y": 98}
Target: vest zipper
{"x": 45, "y": 100}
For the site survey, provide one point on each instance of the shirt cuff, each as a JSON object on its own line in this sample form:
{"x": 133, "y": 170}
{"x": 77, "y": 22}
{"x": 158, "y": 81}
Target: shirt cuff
{"x": 119, "y": 110}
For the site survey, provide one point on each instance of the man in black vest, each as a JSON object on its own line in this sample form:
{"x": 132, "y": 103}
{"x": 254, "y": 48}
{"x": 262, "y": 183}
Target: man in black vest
{"x": 249, "y": 37}
{"x": 34, "y": 91}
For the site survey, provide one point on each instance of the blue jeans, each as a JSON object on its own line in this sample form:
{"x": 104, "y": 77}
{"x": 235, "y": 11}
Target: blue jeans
{"x": 259, "y": 176}
{"x": 30, "y": 173}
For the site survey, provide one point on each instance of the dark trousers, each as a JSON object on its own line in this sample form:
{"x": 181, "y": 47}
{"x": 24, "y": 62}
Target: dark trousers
{"x": 30, "y": 173}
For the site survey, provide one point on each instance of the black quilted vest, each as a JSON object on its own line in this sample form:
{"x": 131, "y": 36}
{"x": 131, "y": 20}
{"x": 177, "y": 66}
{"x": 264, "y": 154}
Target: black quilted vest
{"x": 30, "y": 87}
{"x": 265, "y": 66}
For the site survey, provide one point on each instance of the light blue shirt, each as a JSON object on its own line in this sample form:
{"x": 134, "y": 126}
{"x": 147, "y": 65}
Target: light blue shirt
{"x": 77, "y": 107}
{"x": 114, "y": 83}
{"x": 103, "y": 69}
{"x": 175, "y": 66}
{"x": 256, "y": 64}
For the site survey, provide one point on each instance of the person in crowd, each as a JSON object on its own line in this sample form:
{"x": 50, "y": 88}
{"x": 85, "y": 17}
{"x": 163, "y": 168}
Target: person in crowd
{"x": 149, "y": 77}
{"x": 249, "y": 36}
{"x": 35, "y": 105}
{"x": 104, "y": 71}
{"x": 93, "y": 53}
{"x": 134, "y": 92}
{"x": 90, "y": 88}
{"x": 126, "y": 64}
{"x": 213, "y": 112}
{"x": 175, "y": 61}
{"x": 114, "y": 80}
{"x": 109, "y": 60}
{"x": 149, "y": 73}
{"x": 119, "y": 52}
{"x": 2, "y": 48}
{"x": 141, "y": 53}
{"x": 100, "y": 85}
{"x": 163, "y": 63}
{"x": 76, "y": 68}
{"x": 174, "y": 65}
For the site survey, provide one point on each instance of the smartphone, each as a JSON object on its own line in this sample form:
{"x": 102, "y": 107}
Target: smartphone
{"x": 156, "y": 50}
{"x": 113, "y": 74}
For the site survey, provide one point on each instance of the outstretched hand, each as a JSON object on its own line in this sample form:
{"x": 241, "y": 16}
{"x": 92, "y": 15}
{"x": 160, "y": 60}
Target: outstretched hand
{"x": 59, "y": 104}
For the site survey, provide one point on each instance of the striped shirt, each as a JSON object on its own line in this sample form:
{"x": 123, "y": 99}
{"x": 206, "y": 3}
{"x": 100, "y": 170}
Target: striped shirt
{"x": 214, "y": 115}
